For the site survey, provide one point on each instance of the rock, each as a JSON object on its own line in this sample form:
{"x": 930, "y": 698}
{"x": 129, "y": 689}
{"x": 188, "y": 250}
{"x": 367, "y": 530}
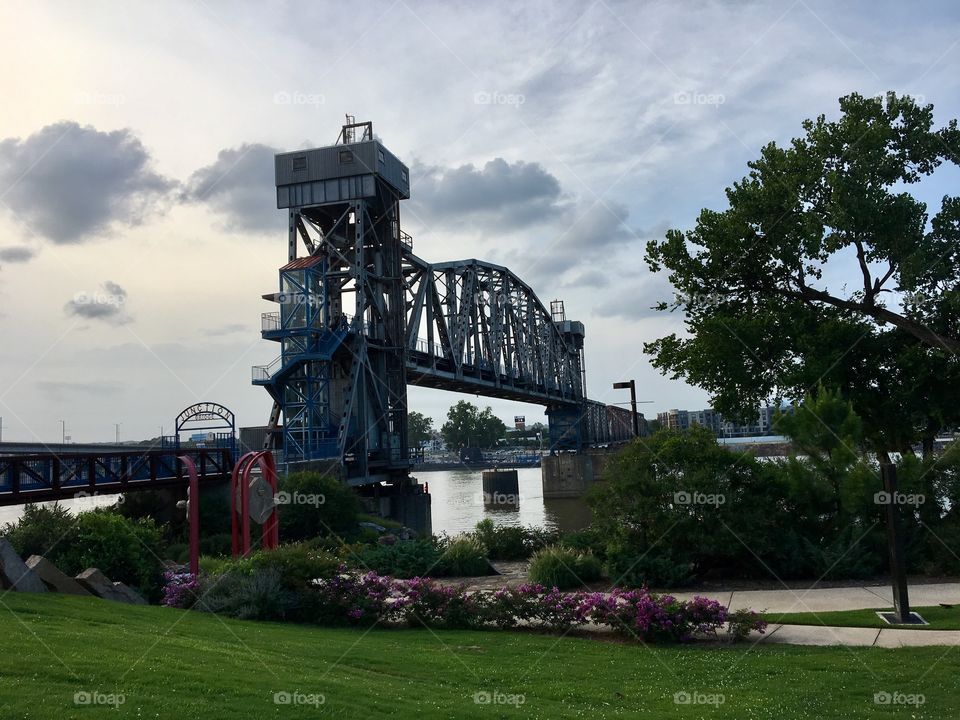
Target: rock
{"x": 100, "y": 585}
{"x": 133, "y": 597}
{"x": 373, "y": 526}
{"x": 14, "y": 573}
{"x": 53, "y": 578}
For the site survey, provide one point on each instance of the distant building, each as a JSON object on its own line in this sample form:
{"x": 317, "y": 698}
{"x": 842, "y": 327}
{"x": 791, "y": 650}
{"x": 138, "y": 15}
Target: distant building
{"x": 708, "y": 418}
{"x": 682, "y": 420}
{"x": 674, "y": 419}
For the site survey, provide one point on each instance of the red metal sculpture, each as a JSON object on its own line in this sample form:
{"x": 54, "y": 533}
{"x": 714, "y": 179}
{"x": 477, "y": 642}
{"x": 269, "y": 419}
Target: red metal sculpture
{"x": 240, "y": 516}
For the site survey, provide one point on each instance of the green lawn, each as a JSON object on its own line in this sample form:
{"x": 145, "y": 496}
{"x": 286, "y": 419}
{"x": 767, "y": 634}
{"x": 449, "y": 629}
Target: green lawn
{"x": 939, "y": 618}
{"x": 181, "y": 665}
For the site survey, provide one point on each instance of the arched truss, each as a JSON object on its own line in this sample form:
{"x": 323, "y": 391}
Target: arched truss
{"x": 476, "y": 327}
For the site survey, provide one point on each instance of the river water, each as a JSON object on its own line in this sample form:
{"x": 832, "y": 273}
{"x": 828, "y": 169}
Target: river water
{"x": 457, "y": 503}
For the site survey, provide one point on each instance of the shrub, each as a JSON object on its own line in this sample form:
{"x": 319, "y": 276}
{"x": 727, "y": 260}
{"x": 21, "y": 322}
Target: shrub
{"x": 508, "y": 542}
{"x": 180, "y": 590}
{"x": 628, "y": 569}
{"x": 562, "y": 567}
{"x": 355, "y": 599}
{"x": 427, "y": 603}
{"x": 413, "y": 558}
{"x": 320, "y": 505}
{"x": 365, "y": 599}
{"x": 464, "y": 557}
{"x": 587, "y": 540}
{"x": 298, "y": 564}
{"x": 260, "y": 595}
{"x": 42, "y": 530}
{"x": 124, "y": 550}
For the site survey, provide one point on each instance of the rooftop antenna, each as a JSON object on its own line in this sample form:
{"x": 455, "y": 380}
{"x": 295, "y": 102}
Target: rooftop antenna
{"x": 348, "y": 133}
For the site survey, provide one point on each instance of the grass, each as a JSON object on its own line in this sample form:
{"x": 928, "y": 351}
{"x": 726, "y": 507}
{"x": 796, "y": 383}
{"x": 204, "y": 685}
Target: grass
{"x": 939, "y": 618}
{"x": 170, "y": 663}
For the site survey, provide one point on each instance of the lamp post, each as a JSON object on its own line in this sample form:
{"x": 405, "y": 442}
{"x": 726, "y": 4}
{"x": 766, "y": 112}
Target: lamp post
{"x": 632, "y": 386}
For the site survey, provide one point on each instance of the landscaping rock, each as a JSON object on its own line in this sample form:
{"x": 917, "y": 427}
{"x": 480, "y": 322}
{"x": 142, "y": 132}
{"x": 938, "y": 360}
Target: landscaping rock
{"x": 14, "y": 574}
{"x": 53, "y": 578}
{"x": 133, "y": 597}
{"x": 100, "y": 585}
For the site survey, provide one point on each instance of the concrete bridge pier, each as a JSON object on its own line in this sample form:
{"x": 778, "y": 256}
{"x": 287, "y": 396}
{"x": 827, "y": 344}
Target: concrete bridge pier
{"x": 570, "y": 475}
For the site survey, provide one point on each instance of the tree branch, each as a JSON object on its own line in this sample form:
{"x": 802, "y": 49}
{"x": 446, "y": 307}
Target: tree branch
{"x": 881, "y": 315}
{"x": 867, "y": 284}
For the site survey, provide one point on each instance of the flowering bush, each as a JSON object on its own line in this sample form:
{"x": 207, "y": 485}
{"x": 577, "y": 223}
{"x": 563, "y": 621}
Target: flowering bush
{"x": 180, "y": 589}
{"x": 351, "y": 598}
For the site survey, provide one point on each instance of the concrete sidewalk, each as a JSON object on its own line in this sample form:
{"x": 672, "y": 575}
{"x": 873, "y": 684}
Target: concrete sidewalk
{"x": 818, "y": 600}
{"x": 855, "y": 637}
{"x": 826, "y": 599}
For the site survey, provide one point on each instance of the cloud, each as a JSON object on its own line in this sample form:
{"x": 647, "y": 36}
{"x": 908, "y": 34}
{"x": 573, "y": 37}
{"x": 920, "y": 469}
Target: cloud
{"x": 106, "y": 304}
{"x": 229, "y": 329}
{"x": 57, "y": 390}
{"x": 588, "y": 278}
{"x": 634, "y": 297}
{"x": 16, "y": 254}
{"x": 500, "y": 195}
{"x": 591, "y": 238}
{"x": 239, "y": 186}
{"x": 69, "y": 182}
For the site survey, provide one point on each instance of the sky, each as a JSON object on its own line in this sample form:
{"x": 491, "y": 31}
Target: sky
{"x": 138, "y": 226}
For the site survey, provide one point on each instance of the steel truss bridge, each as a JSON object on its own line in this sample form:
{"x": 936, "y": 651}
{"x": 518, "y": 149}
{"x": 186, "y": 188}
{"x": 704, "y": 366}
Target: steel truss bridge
{"x": 361, "y": 317}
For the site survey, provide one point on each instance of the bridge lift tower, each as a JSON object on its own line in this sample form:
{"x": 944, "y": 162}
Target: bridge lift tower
{"x": 340, "y": 380}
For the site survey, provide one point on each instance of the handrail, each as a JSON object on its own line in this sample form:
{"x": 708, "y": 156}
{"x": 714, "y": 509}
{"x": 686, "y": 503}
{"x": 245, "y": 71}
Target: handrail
{"x": 269, "y": 321}
{"x": 264, "y": 372}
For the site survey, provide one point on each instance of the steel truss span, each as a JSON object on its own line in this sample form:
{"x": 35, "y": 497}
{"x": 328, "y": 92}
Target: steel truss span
{"x": 474, "y": 327}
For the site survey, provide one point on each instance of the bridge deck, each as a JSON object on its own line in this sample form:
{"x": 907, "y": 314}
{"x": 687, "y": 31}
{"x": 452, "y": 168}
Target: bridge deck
{"x": 60, "y": 476}
{"x": 426, "y": 370}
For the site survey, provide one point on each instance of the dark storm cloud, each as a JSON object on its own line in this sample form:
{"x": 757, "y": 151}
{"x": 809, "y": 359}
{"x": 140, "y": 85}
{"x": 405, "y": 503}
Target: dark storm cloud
{"x": 16, "y": 254}
{"x": 588, "y": 279}
{"x": 239, "y": 186}
{"x": 589, "y": 238}
{"x": 499, "y": 195}
{"x": 106, "y": 304}
{"x": 68, "y": 182}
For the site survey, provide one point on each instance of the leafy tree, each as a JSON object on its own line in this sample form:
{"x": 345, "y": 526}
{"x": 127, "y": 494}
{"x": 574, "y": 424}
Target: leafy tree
{"x": 764, "y": 319}
{"x": 468, "y": 426}
{"x": 419, "y": 428}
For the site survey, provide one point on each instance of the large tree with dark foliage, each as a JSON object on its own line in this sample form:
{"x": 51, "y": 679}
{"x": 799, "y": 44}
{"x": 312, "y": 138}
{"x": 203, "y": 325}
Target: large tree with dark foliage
{"x": 825, "y": 269}
{"x": 468, "y": 426}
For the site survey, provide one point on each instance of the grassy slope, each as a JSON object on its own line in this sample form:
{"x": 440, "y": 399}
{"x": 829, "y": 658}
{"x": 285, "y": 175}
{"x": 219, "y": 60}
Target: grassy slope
{"x": 172, "y": 664}
{"x": 938, "y": 617}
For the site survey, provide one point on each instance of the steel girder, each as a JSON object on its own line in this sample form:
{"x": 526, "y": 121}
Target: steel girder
{"x": 475, "y": 327}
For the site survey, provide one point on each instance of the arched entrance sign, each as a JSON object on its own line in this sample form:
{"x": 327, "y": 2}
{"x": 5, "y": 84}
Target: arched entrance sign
{"x": 213, "y": 417}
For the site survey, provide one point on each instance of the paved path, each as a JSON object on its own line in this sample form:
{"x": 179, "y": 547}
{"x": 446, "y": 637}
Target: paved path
{"x": 825, "y": 599}
{"x": 850, "y": 598}
{"x": 816, "y": 600}
{"x": 861, "y": 637}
